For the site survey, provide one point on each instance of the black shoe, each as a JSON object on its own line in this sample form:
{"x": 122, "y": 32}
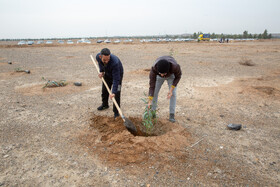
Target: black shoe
{"x": 103, "y": 107}
{"x": 172, "y": 118}
{"x": 116, "y": 115}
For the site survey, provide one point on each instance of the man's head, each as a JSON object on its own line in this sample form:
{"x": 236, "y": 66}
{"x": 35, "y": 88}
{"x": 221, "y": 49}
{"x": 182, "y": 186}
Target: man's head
{"x": 163, "y": 67}
{"x": 105, "y": 55}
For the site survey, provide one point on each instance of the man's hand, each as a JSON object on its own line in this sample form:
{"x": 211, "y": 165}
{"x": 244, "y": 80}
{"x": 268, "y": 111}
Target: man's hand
{"x": 100, "y": 75}
{"x": 111, "y": 96}
{"x": 169, "y": 94}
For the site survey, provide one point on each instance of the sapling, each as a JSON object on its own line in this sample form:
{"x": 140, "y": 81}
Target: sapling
{"x": 172, "y": 52}
{"x": 149, "y": 117}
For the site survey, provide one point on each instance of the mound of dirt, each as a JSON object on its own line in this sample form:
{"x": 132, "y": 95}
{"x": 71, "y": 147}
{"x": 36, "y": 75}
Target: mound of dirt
{"x": 141, "y": 71}
{"x": 67, "y": 57}
{"x": 115, "y": 145}
{"x": 7, "y": 75}
{"x": 268, "y": 90}
{"x": 37, "y": 89}
{"x": 3, "y": 63}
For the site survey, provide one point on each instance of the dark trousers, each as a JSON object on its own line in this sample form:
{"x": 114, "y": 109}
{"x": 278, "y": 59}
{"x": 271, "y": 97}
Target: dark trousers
{"x": 105, "y": 93}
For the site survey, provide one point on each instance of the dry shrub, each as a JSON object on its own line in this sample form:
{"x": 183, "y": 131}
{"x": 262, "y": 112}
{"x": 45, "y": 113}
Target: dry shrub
{"x": 19, "y": 70}
{"x": 51, "y": 84}
{"x": 246, "y": 62}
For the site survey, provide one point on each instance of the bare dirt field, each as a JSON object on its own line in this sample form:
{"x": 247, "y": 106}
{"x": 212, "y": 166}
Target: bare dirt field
{"x": 56, "y": 136}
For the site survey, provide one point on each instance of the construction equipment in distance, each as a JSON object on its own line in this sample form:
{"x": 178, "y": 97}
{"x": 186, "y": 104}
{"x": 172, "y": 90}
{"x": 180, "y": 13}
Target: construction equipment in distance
{"x": 203, "y": 37}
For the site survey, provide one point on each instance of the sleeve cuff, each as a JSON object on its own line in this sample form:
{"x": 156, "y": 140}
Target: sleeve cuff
{"x": 150, "y": 97}
{"x": 173, "y": 86}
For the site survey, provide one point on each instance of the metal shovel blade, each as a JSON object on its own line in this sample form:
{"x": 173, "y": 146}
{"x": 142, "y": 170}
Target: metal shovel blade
{"x": 130, "y": 126}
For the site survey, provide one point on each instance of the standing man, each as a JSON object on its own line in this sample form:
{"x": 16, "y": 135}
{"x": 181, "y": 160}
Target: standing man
{"x": 164, "y": 68}
{"x": 111, "y": 70}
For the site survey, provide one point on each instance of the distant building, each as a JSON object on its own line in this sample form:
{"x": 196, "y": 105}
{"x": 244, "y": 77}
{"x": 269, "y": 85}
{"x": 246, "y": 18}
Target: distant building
{"x": 275, "y": 35}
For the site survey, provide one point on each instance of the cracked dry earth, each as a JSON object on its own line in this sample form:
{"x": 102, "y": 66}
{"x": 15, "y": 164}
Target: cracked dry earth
{"x": 56, "y": 137}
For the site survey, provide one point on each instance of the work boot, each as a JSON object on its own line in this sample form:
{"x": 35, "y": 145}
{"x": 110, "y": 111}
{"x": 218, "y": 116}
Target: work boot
{"x": 116, "y": 115}
{"x": 102, "y": 107}
{"x": 171, "y": 118}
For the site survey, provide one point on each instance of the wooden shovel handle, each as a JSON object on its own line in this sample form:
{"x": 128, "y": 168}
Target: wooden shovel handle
{"x": 108, "y": 89}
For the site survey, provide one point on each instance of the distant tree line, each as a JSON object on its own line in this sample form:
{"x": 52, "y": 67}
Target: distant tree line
{"x": 245, "y": 35}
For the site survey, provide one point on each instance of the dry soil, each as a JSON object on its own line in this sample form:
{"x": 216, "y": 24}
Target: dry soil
{"x": 56, "y": 136}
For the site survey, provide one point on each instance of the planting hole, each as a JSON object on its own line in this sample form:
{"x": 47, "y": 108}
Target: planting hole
{"x": 103, "y": 123}
{"x": 160, "y": 127}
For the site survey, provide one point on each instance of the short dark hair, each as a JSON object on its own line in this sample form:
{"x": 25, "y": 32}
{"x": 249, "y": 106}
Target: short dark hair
{"x": 105, "y": 52}
{"x": 163, "y": 66}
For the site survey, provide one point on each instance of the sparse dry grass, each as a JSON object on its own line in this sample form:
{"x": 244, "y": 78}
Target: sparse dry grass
{"x": 246, "y": 62}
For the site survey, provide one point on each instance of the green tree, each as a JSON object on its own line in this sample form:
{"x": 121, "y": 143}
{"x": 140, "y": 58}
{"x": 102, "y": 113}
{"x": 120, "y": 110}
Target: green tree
{"x": 245, "y": 34}
{"x": 194, "y": 35}
{"x": 213, "y": 35}
{"x": 269, "y": 36}
{"x": 264, "y": 35}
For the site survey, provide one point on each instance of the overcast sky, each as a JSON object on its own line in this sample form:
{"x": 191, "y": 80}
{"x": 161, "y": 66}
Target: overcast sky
{"x": 92, "y": 18}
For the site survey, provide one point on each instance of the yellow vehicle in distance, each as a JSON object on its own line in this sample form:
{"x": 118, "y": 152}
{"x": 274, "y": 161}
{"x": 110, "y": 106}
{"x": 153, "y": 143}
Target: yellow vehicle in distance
{"x": 203, "y": 37}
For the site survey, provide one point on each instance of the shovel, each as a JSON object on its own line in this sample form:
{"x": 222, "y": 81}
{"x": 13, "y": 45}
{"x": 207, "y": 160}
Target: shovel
{"x": 127, "y": 123}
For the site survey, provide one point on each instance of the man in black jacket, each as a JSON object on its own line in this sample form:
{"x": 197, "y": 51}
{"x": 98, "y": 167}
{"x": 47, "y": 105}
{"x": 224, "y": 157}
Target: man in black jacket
{"x": 111, "y": 70}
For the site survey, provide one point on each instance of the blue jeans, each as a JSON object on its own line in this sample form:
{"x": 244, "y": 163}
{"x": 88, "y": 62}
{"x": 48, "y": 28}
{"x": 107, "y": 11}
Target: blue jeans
{"x": 159, "y": 83}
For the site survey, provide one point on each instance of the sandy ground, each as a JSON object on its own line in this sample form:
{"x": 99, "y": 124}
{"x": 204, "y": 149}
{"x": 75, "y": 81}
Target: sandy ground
{"x": 56, "y": 137}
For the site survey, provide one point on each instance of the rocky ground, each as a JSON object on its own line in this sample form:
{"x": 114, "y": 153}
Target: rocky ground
{"x": 56, "y": 137}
